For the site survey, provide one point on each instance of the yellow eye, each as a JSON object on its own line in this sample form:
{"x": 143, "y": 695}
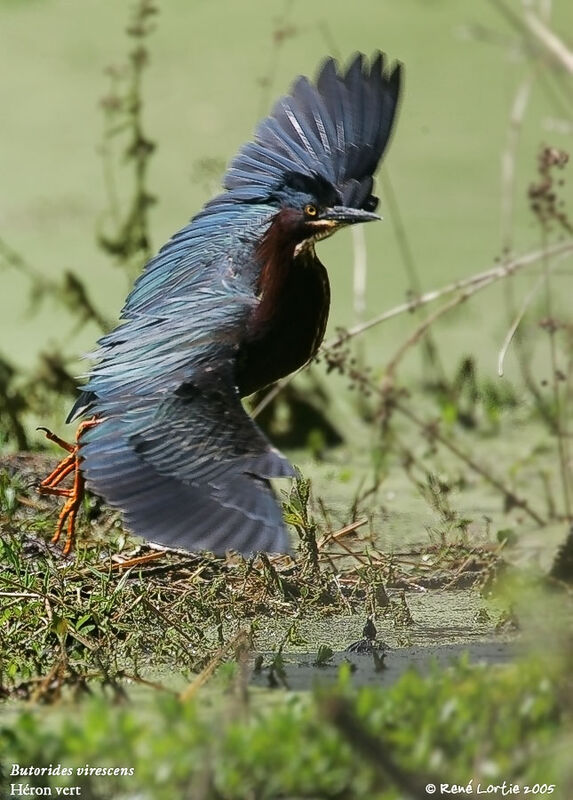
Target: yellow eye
{"x": 310, "y": 210}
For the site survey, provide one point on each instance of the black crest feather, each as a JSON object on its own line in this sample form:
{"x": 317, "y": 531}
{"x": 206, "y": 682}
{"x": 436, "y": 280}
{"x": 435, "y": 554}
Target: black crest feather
{"x": 337, "y": 128}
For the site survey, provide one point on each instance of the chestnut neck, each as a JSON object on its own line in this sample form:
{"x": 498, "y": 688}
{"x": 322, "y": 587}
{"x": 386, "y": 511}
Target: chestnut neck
{"x": 276, "y": 253}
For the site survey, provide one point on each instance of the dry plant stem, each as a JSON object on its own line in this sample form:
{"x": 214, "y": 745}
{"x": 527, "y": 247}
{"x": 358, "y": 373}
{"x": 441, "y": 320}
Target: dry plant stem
{"x": 337, "y": 535}
{"x": 516, "y": 323}
{"x": 534, "y": 43}
{"x": 520, "y": 314}
{"x": 168, "y": 621}
{"x": 138, "y": 561}
{"x": 475, "y": 283}
{"x": 550, "y": 42}
{"x": 516, "y": 117}
{"x": 511, "y": 496}
{"x": 359, "y": 272}
{"x": 555, "y": 385}
{"x": 421, "y": 331}
{"x": 431, "y": 350}
{"x": 568, "y": 392}
{"x": 460, "y": 570}
{"x": 545, "y": 206}
{"x": 508, "y": 160}
{"x": 241, "y": 640}
{"x": 357, "y": 556}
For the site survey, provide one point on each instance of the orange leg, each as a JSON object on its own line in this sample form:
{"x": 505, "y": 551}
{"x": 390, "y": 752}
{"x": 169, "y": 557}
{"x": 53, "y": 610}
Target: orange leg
{"x": 51, "y": 485}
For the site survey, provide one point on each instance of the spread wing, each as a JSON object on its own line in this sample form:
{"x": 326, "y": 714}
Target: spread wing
{"x": 175, "y": 450}
{"x": 338, "y": 129}
{"x": 191, "y": 472}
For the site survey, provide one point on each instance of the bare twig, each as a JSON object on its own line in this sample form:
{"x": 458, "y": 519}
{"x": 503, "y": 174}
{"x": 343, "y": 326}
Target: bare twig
{"x": 523, "y": 308}
{"x": 337, "y": 535}
{"x": 421, "y": 331}
{"x": 511, "y": 497}
{"x": 545, "y": 205}
{"x": 556, "y": 389}
{"x": 515, "y": 324}
{"x": 475, "y": 283}
{"x": 239, "y": 641}
{"x": 552, "y": 44}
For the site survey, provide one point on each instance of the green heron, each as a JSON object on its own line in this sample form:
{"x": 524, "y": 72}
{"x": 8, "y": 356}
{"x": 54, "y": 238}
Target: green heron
{"x": 234, "y": 301}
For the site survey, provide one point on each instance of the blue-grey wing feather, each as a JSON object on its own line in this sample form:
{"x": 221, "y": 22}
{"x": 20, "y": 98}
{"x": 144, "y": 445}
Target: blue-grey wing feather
{"x": 240, "y": 512}
{"x": 174, "y": 449}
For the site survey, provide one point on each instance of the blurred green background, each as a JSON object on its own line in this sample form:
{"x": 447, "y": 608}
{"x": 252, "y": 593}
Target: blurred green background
{"x": 215, "y": 68}
{"x": 436, "y": 506}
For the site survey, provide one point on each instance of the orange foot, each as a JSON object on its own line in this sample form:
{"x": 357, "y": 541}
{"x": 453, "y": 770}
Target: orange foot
{"x": 51, "y": 485}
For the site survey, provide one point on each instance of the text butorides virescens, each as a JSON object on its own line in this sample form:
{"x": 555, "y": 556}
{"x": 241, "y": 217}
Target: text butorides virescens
{"x": 233, "y": 302}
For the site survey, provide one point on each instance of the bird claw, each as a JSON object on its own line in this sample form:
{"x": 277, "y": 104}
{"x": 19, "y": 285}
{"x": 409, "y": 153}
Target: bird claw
{"x": 60, "y": 442}
{"x": 74, "y": 496}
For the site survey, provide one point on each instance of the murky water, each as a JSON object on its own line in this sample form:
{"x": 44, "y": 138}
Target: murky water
{"x": 301, "y": 672}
